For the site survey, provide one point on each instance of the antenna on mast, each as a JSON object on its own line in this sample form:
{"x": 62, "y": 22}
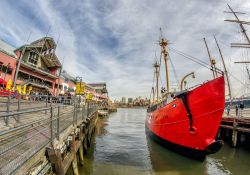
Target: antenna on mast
{"x": 164, "y": 43}
{"x": 156, "y": 66}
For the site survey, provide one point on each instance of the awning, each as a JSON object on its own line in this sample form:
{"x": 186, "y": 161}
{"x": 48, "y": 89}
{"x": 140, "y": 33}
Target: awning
{"x": 2, "y": 81}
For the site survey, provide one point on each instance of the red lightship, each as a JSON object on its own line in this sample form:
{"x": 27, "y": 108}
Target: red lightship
{"x": 187, "y": 121}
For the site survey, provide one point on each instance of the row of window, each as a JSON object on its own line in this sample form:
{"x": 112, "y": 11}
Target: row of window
{"x": 5, "y": 69}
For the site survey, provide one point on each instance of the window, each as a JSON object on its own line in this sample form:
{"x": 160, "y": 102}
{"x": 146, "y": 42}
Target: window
{"x": 33, "y": 58}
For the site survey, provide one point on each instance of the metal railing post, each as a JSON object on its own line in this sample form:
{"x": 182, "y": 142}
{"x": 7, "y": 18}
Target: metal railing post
{"x": 8, "y": 110}
{"x": 46, "y": 104}
{"x": 51, "y": 125}
{"x": 18, "y": 109}
{"x": 88, "y": 110}
{"x": 74, "y": 113}
{"x": 58, "y": 122}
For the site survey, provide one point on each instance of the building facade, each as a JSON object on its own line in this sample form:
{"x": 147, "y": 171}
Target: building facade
{"x": 7, "y": 62}
{"x": 39, "y": 66}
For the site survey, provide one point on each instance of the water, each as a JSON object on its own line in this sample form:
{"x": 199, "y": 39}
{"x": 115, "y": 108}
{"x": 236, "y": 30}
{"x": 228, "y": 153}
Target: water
{"x": 122, "y": 148}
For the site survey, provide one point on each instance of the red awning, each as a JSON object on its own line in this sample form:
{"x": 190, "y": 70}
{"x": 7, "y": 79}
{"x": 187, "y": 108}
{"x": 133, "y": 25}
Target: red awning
{"x": 2, "y": 81}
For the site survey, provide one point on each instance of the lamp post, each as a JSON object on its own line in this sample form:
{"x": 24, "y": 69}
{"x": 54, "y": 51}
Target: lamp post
{"x": 18, "y": 67}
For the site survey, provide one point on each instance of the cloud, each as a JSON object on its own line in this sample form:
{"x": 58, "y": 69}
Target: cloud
{"x": 115, "y": 41}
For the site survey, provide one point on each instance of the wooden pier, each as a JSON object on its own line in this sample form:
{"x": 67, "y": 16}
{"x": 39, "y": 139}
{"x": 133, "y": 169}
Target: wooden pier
{"x": 41, "y": 137}
{"x": 235, "y": 129}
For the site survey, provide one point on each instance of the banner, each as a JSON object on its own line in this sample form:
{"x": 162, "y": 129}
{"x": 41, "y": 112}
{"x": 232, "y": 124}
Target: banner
{"x": 89, "y": 96}
{"x": 80, "y": 88}
{"x": 8, "y": 85}
{"x": 24, "y": 89}
{"x": 19, "y": 89}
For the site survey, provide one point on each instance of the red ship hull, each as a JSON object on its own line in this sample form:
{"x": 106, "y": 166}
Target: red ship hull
{"x": 190, "y": 122}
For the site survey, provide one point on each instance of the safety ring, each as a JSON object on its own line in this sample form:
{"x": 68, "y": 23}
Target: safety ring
{"x": 192, "y": 130}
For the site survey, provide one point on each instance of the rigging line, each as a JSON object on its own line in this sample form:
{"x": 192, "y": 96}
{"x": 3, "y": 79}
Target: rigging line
{"x": 204, "y": 65}
{"x": 191, "y": 57}
{"x": 174, "y": 70}
{"x": 236, "y": 78}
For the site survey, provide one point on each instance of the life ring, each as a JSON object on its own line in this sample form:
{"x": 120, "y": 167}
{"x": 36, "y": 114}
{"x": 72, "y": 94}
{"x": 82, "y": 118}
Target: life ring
{"x": 192, "y": 130}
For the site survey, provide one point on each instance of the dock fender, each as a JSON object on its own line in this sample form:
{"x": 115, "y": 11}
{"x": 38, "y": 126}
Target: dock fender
{"x": 213, "y": 146}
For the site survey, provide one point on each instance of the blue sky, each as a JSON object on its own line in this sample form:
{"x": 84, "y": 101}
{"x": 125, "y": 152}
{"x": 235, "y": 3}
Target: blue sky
{"x": 115, "y": 41}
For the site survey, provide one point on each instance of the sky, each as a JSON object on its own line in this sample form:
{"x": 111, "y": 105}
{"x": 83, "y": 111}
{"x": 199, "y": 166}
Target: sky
{"x": 116, "y": 41}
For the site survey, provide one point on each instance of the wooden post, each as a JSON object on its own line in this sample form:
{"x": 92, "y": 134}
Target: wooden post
{"x": 234, "y": 134}
{"x": 81, "y": 155}
{"x": 55, "y": 158}
{"x": 75, "y": 166}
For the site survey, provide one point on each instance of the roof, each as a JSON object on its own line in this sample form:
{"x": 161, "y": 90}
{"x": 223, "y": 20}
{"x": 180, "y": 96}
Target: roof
{"x": 7, "y": 48}
{"x": 47, "y": 42}
{"x": 66, "y": 75}
{"x": 97, "y": 84}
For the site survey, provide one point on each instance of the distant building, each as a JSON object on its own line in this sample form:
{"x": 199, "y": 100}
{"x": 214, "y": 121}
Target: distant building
{"x": 124, "y": 100}
{"x": 130, "y": 100}
{"x": 100, "y": 88}
{"x": 67, "y": 83}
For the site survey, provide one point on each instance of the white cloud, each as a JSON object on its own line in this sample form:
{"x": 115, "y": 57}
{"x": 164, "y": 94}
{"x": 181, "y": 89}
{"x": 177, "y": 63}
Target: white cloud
{"x": 115, "y": 41}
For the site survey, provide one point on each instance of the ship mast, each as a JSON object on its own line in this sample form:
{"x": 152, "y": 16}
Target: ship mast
{"x": 225, "y": 69}
{"x": 242, "y": 45}
{"x": 156, "y": 66}
{"x": 243, "y": 30}
{"x": 164, "y": 43}
{"x": 212, "y": 61}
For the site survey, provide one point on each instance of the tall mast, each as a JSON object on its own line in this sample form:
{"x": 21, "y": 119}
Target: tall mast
{"x": 212, "y": 61}
{"x": 156, "y": 66}
{"x": 225, "y": 69}
{"x": 164, "y": 43}
{"x": 240, "y": 22}
{"x": 241, "y": 26}
{"x": 153, "y": 91}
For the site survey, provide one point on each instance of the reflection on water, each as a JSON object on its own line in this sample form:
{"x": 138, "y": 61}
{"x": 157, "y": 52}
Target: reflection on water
{"x": 122, "y": 148}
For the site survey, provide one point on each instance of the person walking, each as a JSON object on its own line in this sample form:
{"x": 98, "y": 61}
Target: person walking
{"x": 236, "y": 109}
{"x": 228, "y": 109}
{"x": 241, "y": 108}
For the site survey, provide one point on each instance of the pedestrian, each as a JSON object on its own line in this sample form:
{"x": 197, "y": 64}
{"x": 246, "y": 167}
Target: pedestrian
{"x": 236, "y": 109}
{"x": 241, "y": 108}
{"x": 228, "y": 109}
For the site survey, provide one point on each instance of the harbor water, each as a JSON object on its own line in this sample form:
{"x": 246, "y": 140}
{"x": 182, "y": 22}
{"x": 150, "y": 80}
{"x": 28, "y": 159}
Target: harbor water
{"x": 121, "y": 147}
